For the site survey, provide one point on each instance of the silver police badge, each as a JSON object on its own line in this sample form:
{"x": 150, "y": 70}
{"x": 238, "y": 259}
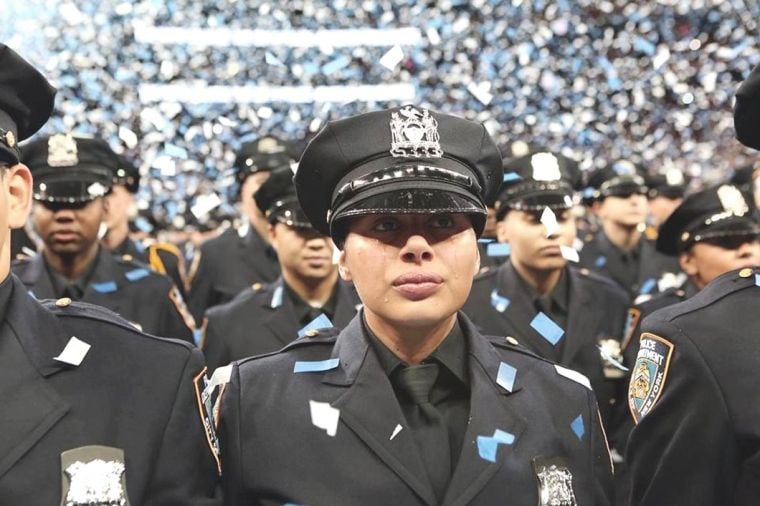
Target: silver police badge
{"x": 62, "y": 151}
{"x": 555, "y": 483}
{"x": 414, "y": 134}
{"x": 93, "y": 476}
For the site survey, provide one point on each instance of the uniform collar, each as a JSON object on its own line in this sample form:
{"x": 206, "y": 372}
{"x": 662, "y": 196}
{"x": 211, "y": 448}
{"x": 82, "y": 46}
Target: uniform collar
{"x": 6, "y": 290}
{"x": 76, "y": 288}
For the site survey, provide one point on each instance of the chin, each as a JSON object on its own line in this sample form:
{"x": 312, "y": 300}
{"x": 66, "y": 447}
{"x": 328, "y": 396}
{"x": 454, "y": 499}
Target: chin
{"x": 420, "y": 314}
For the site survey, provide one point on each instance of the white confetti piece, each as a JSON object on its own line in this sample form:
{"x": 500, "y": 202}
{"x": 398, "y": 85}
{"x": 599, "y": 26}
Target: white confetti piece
{"x": 392, "y": 58}
{"x": 325, "y": 417}
{"x": 569, "y": 253}
{"x": 549, "y": 220}
{"x": 395, "y": 431}
{"x": 74, "y": 352}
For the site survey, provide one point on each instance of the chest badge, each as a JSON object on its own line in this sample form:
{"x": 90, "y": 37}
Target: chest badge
{"x": 93, "y": 476}
{"x": 555, "y": 483}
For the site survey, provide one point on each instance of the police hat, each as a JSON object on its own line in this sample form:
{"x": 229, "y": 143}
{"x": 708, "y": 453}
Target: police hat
{"x": 263, "y": 154}
{"x": 70, "y": 170}
{"x": 126, "y": 174}
{"x": 714, "y": 214}
{"x": 670, "y": 184}
{"x": 401, "y": 160}
{"x": 26, "y": 102}
{"x": 535, "y": 181}
{"x": 276, "y": 198}
{"x": 747, "y": 110}
{"x": 620, "y": 178}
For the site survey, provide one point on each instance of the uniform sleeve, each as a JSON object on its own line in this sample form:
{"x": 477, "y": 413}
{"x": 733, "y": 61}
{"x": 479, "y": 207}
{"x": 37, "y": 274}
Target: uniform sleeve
{"x": 231, "y": 444}
{"x": 178, "y": 322}
{"x": 677, "y": 454}
{"x": 600, "y": 452}
{"x": 186, "y": 472}
{"x": 201, "y": 295}
{"x": 747, "y": 111}
{"x": 214, "y": 345}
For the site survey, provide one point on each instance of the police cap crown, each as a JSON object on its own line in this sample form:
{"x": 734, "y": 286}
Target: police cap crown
{"x": 263, "y": 154}
{"x": 276, "y": 198}
{"x": 619, "y": 178}
{"x": 401, "y": 160}
{"x": 26, "y": 102}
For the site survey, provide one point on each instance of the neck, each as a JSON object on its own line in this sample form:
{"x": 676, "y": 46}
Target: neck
{"x": 116, "y": 235}
{"x": 625, "y": 237}
{"x": 543, "y": 281}
{"x": 410, "y": 344}
{"x": 314, "y": 291}
{"x": 71, "y": 266}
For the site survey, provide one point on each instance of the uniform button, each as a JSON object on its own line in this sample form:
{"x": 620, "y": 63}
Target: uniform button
{"x": 127, "y": 258}
{"x": 63, "y": 302}
{"x": 511, "y": 340}
{"x": 745, "y": 273}
{"x": 312, "y": 333}
{"x": 256, "y": 287}
{"x": 584, "y": 271}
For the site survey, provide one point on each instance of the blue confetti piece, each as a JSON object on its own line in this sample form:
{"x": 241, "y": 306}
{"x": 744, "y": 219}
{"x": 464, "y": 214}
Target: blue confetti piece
{"x": 600, "y": 261}
{"x": 547, "y": 328}
{"x": 510, "y": 176}
{"x": 499, "y": 302}
{"x": 647, "y": 286}
{"x": 335, "y": 65}
{"x": 136, "y": 274}
{"x": 757, "y": 279}
{"x": 320, "y": 322}
{"x": 105, "y": 287}
{"x": 315, "y": 365}
{"x": 588, "y": 192}
{"x": 276, "y": 298}
{"x": 643, "y": 45}
{"x": 487, "y": 446}
{"x": 578, "y": 427}
{"x": 498, "y": 249}
{"x": 505, "y": 378}
{"x": 197, "y": 333}
{"x": 503, "y": 437}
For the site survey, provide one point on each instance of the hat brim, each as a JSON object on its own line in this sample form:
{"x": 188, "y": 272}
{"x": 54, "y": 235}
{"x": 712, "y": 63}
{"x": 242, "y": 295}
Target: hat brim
{"x": 670, "y": 241}
{"x": 71, "y": 186}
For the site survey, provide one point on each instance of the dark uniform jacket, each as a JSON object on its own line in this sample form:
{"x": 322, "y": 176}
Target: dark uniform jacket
{"x": 162, "y": 257}
{"x": 694, "y": 389}
{"x": 747, "y": 110}
{"x": 126, "y": 287}
{"x": 596, "y": 313}
{"x": 275, "y": 451}
{"x": 647, "y": 265}
{"x": 229, "y": 264}
{"x": 262, "y": 320}
{"x": 130, "y": 392}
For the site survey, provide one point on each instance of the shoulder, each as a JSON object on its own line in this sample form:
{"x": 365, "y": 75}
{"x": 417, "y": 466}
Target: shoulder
{"x": 660, "y": 300}
{"x": 220, "y": 242}
{"x": 314, "y": 346}
{"x": 134, "y": 272}
{"x": 486, "y": 273}
{"x": 249, "y": 300}
{"x": 597, "y": 282}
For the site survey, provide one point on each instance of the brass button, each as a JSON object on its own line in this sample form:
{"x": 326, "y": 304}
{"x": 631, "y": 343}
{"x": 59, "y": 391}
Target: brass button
{"x": 584, "y": 271}
{"x": 312, "y": 333}
{"x": 511, "y": 340}
{"x": 63, "y": 302}
{"x": 745, "y": 273}
{"x": 127, "y": 258}
{"x": 256, "y": 287}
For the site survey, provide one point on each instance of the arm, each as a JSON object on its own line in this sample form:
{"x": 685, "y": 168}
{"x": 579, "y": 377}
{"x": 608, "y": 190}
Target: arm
{"x": 601, "y": 461}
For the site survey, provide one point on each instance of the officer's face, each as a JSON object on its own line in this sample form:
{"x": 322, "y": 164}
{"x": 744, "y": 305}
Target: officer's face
{"x": 705, "y": 262}
{"x": 15, "y": 201}
{"x": 120, "y": 204}
{"x": 251, "y": 184}
{"x": 412, "y": 271}
{"x": 661, "y": 207}
{"x": 302, "y": 253}
{"x": 531, "y": 248}
{"x": 67, "y": 231}
{"x": 627, "y": 211}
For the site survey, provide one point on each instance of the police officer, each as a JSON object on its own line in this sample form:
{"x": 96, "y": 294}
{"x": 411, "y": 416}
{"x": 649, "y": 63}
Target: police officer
{"x": 691, "y": 394}
{"x": 665, "y": 193}
{"x": 266, "y": 318}
{"x": 408, "y": 404}
{"x": 94, "y": 412}
{"x": 747, "y": 110}
{"x": 569, "y": 316}
{"x": 240, "y": 257}
{"x": 619, "y": 249}
{"x": 72, "y": 175}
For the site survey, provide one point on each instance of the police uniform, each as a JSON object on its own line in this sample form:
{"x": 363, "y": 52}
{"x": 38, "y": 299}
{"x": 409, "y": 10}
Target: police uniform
{"x": 691, "y": 391}
{"x": 638, "y": 269}
{"x": 69, "y": 171}
{"x": 747, "y": 110}
{"x": 266, "y": 318}
{"x": 94, "y": 412}
{"x": 239, "y": 257}
{"x": 331, "y": 428}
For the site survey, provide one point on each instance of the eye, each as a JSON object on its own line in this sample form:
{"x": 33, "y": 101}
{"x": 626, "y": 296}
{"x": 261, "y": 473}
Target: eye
{"x": 442, "y": 221}
{"x": 385, "y": 225}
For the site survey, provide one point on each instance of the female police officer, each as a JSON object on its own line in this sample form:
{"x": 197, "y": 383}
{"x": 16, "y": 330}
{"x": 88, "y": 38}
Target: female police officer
{"x": 409, "y": 404}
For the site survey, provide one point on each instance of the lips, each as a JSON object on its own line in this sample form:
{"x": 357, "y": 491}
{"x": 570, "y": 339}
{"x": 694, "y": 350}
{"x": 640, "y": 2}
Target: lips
{"x": 417, "y": 286}
{"x": 64, "y": 235}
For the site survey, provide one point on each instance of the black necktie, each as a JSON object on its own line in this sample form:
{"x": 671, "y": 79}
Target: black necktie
{"x": 426, "y": 422}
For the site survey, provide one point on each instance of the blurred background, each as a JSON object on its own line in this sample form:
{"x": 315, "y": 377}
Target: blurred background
{"x": 178, "y": 85}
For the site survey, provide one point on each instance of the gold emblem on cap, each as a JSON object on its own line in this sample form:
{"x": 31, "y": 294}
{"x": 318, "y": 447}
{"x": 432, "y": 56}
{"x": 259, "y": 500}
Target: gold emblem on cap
{"x": 732, "y": 200}
{"x": 62, "y": 151}
{"x": 414, "y": 134}
{"x": 63, "y": 302}
{"x": 270, "y": 146}
{"x": 685, "y": 237}
{"x": 745, "y": 273}
{"x": 10, "y": 139}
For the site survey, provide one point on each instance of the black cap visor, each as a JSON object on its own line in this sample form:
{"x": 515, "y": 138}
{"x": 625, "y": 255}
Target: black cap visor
{"x": 556, "y": 200}
{"x": 729, "y": 233}
{"x": 71, "y": 186}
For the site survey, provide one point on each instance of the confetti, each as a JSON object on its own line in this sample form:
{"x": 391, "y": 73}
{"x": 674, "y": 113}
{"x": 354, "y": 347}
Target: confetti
{"x": 324, "y": 417}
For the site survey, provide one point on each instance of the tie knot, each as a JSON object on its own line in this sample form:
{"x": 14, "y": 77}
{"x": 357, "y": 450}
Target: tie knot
{"x": 417, "y": 381}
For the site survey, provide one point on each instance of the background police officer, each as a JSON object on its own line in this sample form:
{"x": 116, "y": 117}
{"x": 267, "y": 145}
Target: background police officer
{"x": 94, "y": 412}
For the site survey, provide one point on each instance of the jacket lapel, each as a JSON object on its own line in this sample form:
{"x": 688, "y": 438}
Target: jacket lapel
{"x": 489, "y": 411}
{"x": 36, "y": 279}
{"x": 281, "y": 322}
{"x": 580, "y": 324}
{"x": 108, "y": 276}
{"x": 29, "y": 339}
{"x": 347, "y": 303}
{"x": 368, "y": 406}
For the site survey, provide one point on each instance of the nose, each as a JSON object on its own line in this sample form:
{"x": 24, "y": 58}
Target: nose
{"x": 316, "y": 243}
{"x": 416, "y": 250}
{"x": 64, "y": 215}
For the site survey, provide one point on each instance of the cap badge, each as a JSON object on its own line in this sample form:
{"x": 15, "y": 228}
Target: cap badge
{"x": 414, "y": 134}
{"x": 10, "y": 139}
{"x": 732, "y": 200}
{"x": 674, "y": 177}
{"x": 545, "y": 167}
{"x": 62, "y": 151}
{"x": 270, "y": 146}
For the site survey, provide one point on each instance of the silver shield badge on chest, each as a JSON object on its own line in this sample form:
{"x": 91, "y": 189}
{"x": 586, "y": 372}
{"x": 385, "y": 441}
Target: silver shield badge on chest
{"x": 93, "y": 476}
{"x": 555, "y": 483}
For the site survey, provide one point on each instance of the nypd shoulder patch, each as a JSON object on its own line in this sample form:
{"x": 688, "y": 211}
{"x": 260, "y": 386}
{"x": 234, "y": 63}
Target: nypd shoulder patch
{"x": 204, "y": 396}
{"x": 649, "y": 374}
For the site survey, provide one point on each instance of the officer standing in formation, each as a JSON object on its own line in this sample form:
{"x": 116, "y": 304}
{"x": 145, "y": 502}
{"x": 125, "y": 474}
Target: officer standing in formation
{"x": 267, "y": 317}
{"x": 692, "y": 390}
{"x": 409, "y": 404}
{"x": 569, "y": 316}
{"x": 238, "y": 258}
{"x": 71, "y": 179}
{"x": 94, "y": 412}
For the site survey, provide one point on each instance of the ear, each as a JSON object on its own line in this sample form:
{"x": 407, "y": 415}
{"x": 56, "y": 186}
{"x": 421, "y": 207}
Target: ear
{"x": 17, "y": 181}
{"x": 688, "y": 263}
{"x": 343, "y": 270}
{"x": 477, "y": 259}
{"x": 596, "y": 207}
{"x": 502, "y": 230}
